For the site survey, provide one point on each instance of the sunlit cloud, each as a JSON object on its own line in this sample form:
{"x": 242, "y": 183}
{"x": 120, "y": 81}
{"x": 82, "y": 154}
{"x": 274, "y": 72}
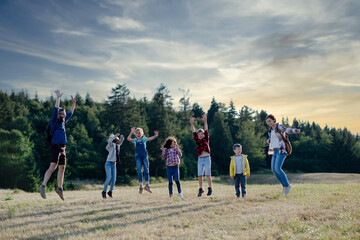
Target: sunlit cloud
{"x": 116, "y": 23}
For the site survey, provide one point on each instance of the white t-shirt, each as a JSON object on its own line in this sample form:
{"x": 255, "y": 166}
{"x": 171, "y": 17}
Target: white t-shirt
{"x": 239, "y": 164}
{"x": 274, "y": 140}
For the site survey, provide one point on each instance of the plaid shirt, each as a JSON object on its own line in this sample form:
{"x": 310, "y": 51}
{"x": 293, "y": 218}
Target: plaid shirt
{"x": 202, "y": 144}
{"x": 282, "y": 129}
{"x": 172, "y": 156}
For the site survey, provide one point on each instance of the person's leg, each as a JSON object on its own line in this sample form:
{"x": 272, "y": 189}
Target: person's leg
{"x": 139, "y": 169}
{"x": 237, "y": 185}
{"x": 278, "y": 168}
{"x": 108, "y": 176}
{"x": 61, "y": 171}
{"x": 49, "y": 172}
{"x": 60, "y": 177}
{"x": 200, "y": 172}
{"x": 274, "y": 160}
{"x": 207, "y": 166}
{"x": 146, "y": 174}
{"x": 169, "y": 176}
{"x": 243, "y": 185}
{"x": 146, "y": 170}
{"x": 177, "y": 178}
{"x": 113, "y": 176}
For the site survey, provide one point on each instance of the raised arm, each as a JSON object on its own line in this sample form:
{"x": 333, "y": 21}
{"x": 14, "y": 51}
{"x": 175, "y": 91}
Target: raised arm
{"x": 58, "y": 96}
{"x": 288, "y": 130}
{"x": 153, "y": 137}
{"x": 204, "y": 118}
{"x": 113, "y": 137}
{"x": 192, "y": 120}
{"x": 121, "y": 140}
{"x": 73, "y": 105}
{"x": 132, "y": 131}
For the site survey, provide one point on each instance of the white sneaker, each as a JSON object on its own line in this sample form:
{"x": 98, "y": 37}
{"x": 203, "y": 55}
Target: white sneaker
{"x": 180, "y": 195}
{"x": 287, "y": 191}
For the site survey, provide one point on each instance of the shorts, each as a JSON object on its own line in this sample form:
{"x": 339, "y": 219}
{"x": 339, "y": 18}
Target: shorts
{"x": 58, "y": 154}
{"x": 204, "y": 165}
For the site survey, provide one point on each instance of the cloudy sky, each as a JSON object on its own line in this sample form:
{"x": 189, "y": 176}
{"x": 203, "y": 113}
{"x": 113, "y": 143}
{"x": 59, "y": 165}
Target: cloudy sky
{"x": 291, "y": 58}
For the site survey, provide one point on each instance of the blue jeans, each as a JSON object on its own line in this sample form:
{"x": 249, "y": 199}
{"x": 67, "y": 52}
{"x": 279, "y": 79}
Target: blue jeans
{"x": 110, "y": 169}
{"x": 173, "y": 171}
{"x": 240, "y": 179}
{"x": 276, "y": 164}
{"x": 140, "y": 162}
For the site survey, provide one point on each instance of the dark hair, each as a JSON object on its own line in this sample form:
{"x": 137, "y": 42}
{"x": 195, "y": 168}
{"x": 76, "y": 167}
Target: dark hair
{"x": 116, "y": 140}
{"x": 271, "y": 117}
{"x": 237, "y": 145}
{"x": 61, "y": 110}
{"x": 168, "y": 142}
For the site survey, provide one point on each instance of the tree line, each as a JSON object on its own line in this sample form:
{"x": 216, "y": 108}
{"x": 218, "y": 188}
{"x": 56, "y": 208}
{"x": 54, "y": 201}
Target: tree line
{"x": 25, "y": 153}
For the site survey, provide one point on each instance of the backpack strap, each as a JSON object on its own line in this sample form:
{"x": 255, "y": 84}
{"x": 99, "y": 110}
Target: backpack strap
{"x": 281, "y": 134}
{"x": 56, "y": 126}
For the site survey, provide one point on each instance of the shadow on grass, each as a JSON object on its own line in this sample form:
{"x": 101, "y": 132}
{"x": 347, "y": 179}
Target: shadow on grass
{"x": 105, "y": 227}
{"x": 51, "y": 212}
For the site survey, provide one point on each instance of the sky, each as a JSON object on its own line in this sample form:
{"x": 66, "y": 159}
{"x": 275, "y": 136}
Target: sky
{"x": 295, "y": 59}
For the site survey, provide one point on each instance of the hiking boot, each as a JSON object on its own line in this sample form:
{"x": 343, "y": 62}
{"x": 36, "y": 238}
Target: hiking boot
{"x": 59, "y": 191}
{"x": 148, "y": 189}
{"x": 42, "y": 191}
{"x": 201, "y": 191}
{"x": 141, "y": 190}
{"x": 209, "y": 191}
{"x": 103, "y": 194}
{"x": 110, "y": 193}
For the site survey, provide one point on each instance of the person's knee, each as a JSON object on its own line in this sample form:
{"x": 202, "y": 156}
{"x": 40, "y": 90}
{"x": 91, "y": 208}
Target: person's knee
{"x": 170, "y": 183}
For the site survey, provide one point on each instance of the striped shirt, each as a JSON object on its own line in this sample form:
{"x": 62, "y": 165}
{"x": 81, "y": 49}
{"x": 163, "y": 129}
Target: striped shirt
{"x": 172, "y": 156}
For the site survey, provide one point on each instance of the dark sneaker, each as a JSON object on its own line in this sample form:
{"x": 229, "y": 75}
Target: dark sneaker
{"x": 110, "y": 193}
{"x": 201, "y": 191}
{"x": 147, "y": 188}
{"x": 209, "y": 191}
{"x": 141, "y": 190}
{"x": 103, "y": 194}
{"x": 237, "y": 196}
{"x": 42, "y": 191}
{"x": 59, "y": 191}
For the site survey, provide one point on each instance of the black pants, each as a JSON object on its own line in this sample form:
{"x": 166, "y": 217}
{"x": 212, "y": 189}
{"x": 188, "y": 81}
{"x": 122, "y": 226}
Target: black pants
{"x": 240, "y": 179}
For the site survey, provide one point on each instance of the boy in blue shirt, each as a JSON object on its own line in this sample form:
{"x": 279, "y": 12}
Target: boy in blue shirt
{"x": 58, "y": 145}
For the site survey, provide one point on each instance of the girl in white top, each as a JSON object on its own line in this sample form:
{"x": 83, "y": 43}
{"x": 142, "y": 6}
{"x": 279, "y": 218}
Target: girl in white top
{"x": 113, "y": 147}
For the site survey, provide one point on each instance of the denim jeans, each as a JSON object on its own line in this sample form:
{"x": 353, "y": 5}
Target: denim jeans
{"x": 110, "y": 169}
{"x": 173, "y": 171}
{"x": 240, "y": 179}
{"x": 142, "y": 161}
{"x": 204, "y": 165}
{"x": 276, "y": 164}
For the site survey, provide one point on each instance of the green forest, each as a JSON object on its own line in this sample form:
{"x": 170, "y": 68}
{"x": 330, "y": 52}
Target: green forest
{"x": 25, "y": 154}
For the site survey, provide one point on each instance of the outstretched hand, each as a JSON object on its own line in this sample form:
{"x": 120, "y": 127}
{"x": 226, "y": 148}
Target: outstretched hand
{"x": 192, "y": 120}
{"x": 58, "y": 93}
{"x": 204, "y": 117}
{"x": 73, "y": 99}
{"x": 133, "y": 130}
{"x": 156, "y": 133}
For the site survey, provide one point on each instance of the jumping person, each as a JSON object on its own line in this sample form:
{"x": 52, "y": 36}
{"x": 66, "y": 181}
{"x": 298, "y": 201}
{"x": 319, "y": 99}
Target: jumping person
{"x": 277, "y": 147}
{"x": 58, "y": 145}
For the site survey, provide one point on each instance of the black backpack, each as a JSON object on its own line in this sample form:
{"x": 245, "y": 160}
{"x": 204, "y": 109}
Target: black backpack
{"x": 49, "y": 133}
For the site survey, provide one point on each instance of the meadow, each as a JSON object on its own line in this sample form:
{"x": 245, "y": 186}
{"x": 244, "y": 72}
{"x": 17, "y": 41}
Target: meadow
{"x": 320, "y": 206}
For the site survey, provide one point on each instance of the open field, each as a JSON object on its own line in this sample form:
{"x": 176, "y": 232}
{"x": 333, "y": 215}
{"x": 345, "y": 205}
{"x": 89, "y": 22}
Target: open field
{"x": 311, "y": 211}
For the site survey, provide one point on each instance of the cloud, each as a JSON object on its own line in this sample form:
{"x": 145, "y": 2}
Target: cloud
{"x": 116, "y": 23}
{"x": 71, "y": 32}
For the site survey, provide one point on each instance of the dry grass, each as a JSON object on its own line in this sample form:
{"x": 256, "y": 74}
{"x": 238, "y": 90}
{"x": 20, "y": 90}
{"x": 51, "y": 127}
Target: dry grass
{"x": 311, "y": 211}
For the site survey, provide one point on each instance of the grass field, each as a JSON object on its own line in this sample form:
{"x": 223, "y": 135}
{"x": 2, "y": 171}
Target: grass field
{"x": 310, "y": 211}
